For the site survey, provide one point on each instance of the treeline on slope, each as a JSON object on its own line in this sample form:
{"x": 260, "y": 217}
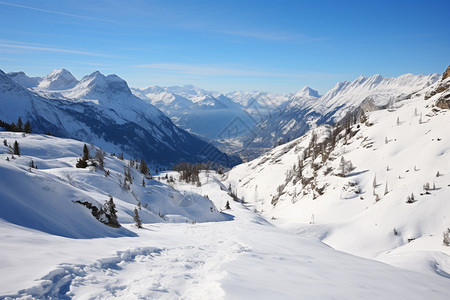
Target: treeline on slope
{"x": 316, "y": 155}
{"x": 190, "y": 172}
{"x": 17, "y": 127}
{"x": 107, "y": 214}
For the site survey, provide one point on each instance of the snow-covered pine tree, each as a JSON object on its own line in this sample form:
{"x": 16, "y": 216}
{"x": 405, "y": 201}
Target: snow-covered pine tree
{"x": 111, "y": 212}
{"x": 85, "y": 156}
{"x": 100, "y": 157}
{"x": 19, "y": 124}
{"x": 16, "y": 148}
{"x": 27, "y": 127}
{"x": 137, "y": 219}
{"x": 342, "y": 166}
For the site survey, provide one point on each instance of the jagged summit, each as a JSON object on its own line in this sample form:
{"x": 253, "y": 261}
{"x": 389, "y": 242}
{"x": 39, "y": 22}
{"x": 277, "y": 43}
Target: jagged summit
{"x": 98, "y": 86}
{"x": 60, "y": 79}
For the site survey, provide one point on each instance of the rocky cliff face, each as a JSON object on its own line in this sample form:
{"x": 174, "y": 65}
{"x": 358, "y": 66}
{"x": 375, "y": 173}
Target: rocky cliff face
{"x": 442, "y": 87}
{"x": 446, "y": 74}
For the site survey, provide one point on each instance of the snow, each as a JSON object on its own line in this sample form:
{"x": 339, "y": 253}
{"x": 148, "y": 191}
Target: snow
{"x": 309, "y": 110}
{"x": 339, "y": 244}
{"x": 403, "y": 157}
{"x": 22, "y": 79}
{"x": 58, "y": 80}
{"x": 101, "y": 110}
{"x": 49, "y": 249}
{"x": 241, "y": 256}
{"x": 205, "y": 113}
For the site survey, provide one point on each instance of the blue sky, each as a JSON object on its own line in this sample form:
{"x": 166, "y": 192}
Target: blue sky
{"x": 277, "y": 46}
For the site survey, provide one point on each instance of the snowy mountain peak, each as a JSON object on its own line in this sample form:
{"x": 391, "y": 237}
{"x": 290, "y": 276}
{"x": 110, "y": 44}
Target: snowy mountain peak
{"x": 60, "y": 79}
{"x": 307, "y": 92}
{"x": 97, "y": 86}
{"x": 24, "y": 80}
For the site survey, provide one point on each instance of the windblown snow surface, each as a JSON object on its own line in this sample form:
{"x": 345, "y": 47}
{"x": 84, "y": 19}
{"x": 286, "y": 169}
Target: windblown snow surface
{"x": 52, "y": 248}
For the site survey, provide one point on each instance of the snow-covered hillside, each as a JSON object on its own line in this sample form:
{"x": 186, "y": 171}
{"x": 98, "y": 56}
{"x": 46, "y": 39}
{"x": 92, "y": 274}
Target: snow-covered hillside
{"x": 102, "y": 110}
{"x": 378, "y": 189}
{"x": 22, "y": 79}
{"x": 306, "y": 110}
{"x": 48, "y": 203}
{"x": 53, "y": 248}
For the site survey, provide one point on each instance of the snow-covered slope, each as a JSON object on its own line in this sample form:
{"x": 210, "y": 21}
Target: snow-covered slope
{"x": 400, "y": 154}
{"x": 45, "y": 198}
{"x": 48, "y": 250}
{"x": 302, "y": 113}
{"x": 25, "y": 81}
{"x": 102, "y": 110}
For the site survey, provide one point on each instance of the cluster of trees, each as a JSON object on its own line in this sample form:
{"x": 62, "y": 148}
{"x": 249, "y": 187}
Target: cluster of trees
{"x": 107, "y": 214}
{"x": 83, "y": 161}
{"x": 190, "y": 172}
{"x": 316, "y": 154}
{"x": 14, "y": 150}
{"x": 17, "y": 127}
{"x": 87, "y": 160}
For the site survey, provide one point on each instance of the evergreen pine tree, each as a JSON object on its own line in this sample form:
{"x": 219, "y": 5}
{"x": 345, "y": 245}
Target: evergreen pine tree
{"x": 227, "y": 205}
{"x": 111, "y": 213}
{"x": 16, "y": 148}
{"x": 143, "y": 168}
{"x": 19, "y": 124}
{"x": 27, "y": 127}
{"x": 137, "y": 219}
{"x": 100, "y": 158}
{"x": 85, "y": 153}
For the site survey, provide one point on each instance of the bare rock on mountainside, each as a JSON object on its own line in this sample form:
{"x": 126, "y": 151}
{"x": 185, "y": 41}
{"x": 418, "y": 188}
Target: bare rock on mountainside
{"x": 444, "y": 101}
{"x": 446, "y": 74}
{"x": 443, "y": 86}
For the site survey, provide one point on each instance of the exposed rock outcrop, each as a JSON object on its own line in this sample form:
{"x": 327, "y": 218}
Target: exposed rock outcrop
{"x": 446, "y": 74}
{"x": 444, "y": 85}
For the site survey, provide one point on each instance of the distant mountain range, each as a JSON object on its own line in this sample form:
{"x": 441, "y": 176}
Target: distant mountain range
{"x": 306, "y": 109}
{"x": 244, "y": 123}
{"x": 101, "y": 110}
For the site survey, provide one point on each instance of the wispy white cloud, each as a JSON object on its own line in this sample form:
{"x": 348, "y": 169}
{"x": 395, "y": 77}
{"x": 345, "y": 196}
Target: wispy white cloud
{"x": 46, "y": 48}
{"x": 211, "y": 70}
{"x": 56, "y": 12}
{"x": 272, "y": 36}
{"x": 214, "y": 70}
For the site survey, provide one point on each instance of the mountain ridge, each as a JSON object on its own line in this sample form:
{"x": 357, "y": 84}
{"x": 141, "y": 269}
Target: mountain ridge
{"x": 101, "y": 110}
